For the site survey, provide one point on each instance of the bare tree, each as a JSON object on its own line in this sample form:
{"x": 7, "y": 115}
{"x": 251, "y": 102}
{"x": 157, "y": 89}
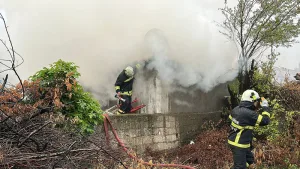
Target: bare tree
{"x": 10, "y": 64}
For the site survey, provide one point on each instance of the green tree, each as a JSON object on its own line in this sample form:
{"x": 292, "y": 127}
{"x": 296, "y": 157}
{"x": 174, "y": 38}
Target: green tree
{"x": 256, "y": 26}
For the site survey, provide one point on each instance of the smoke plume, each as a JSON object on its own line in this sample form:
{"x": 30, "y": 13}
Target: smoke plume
{"x": 102, "y": 37}
{"x": 187, "y": 74}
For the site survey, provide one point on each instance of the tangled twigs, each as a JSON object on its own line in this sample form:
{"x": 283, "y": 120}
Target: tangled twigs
{"x": 102, "y": 149}
{"x": 55, "y": 147}
{"x": 290, "y": 95}
{"x": 33, "y": 132}
{"x": 26, "y": 157}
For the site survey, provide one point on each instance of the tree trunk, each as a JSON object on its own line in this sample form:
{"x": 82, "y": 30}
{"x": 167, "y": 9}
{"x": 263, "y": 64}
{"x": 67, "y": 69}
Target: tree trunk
{"x": 233, "y": 98}
{"x": 246, "y": 82}
{"x": 246, "y": 79}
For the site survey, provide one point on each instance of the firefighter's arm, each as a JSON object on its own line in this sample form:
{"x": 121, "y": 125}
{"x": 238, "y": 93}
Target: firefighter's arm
{"x": 119, "y": 82}
{"x": 264, "y": 116}
{"x": 262, "y": 119}
{"x": 265, "y": 113}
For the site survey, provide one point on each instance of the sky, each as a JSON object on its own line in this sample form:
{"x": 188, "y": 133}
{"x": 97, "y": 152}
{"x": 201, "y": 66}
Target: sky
{"x": 290, "y": 57}
{"x": 102, "y": 37}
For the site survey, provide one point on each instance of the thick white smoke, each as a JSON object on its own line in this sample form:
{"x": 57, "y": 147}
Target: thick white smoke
{"x": 102, "y": 37}
{"x": 204, "y": 75}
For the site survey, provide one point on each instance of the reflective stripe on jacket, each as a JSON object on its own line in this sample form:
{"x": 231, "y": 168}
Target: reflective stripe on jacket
{"x": 124, "y": 84}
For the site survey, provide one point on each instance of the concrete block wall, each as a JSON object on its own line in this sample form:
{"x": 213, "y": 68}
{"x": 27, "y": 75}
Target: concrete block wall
{"x": 160, "y": 131}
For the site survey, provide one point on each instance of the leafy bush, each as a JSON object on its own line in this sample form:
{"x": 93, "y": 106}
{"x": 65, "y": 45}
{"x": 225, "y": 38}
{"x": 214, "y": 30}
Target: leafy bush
{"x": 271, "y": 131}
{"x": 277, "y": 141}
{"x": 58, "y": 82}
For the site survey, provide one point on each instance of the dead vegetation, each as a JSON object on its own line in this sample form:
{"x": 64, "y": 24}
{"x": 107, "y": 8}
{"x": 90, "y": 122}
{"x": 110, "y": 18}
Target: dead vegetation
{"x": 209, "y": 151}
{"x": 32, "y": 135}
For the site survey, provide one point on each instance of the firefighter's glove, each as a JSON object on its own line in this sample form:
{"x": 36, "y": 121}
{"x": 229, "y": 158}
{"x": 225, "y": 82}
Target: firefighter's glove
{"x": 264, "y": 103}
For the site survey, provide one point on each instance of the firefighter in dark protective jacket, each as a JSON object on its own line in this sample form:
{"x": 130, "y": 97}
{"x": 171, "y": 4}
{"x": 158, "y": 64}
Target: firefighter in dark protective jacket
{"x": 243, "y": 120}
{"x": 123, "y": 86}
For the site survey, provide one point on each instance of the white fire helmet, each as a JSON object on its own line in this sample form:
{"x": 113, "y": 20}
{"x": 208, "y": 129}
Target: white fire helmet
{"x": 129, "y": 71}
{"x": 250, "y": 95}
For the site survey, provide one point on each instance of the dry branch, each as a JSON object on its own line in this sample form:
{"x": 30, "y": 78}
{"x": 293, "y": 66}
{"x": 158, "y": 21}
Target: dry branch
{"x": 40, "y": 128}
{"x": 4, "y": 83}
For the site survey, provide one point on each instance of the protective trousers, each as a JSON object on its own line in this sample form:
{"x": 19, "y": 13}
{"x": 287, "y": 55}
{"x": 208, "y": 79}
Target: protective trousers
{"x": 125, "y": 106}
{"x": 242, "y": 157}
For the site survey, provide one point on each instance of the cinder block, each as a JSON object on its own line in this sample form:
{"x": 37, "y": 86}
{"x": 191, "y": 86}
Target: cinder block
{"x": 148, "y": 146}
{"x": 120, "y": 133}
{"x": 135, "y": 125}
{"x": 159, "y": 139}
{"x": 139, "y": 149}
{"x": 160, "y": 118}
{"x": 171, "y": 119}
{"x": 170, "y": 124}
{"x": 137, "y": 140}
{"x": 177, "y": 124}
{"x": 146, "y": 131}
{"x": 144, "y": 124}
{"x": 158, "y": 124}
{"x": 170, "y": 131}
{"x": 160, "y": 146}
{"x": 147, "y": 139}
{"x": 134, "y": 133}
{"x": 151, "y": 123}
{"x": 172, "y": 145}
{"x": 125, "y": 125}
{"x": 171, "y": 138}
{"x": 145, "y": 119}
{"x": 158, "y": 131}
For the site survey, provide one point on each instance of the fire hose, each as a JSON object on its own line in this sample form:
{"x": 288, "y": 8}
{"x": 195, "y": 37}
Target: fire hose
{"x": 108, "y": 121}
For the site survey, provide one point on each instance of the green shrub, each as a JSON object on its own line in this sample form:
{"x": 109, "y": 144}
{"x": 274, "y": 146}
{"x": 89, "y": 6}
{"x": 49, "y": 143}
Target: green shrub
{"x": 271, "y": 131}
{"x": 59, "y": 82}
